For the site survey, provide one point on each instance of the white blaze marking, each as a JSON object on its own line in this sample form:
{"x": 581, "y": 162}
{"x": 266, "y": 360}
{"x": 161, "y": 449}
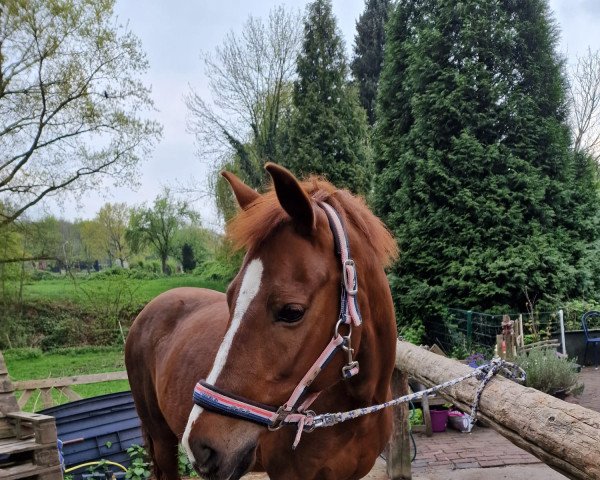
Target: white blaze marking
{"x": 248, "y": 290}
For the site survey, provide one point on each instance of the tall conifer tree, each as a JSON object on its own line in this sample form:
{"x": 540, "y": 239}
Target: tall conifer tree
{"x": 328, "y": 132}
{"x": 475, "y": 175}
{"x": 368, "y": 52}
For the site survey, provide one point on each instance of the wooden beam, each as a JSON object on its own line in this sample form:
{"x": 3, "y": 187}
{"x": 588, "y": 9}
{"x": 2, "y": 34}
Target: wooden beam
{"x": 563, "y": 435}
{"x": 68, "y": 381}
{"x": 70, "y": 394}
{"x": 47, "y": 399}
{"x": 23, "y": 399}
{"x": 398, "y": 451}
{"x": 426, "y": 413}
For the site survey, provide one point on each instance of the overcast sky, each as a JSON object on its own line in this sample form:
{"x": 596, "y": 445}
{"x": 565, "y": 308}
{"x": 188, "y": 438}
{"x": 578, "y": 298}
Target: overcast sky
{"x": 175, "y": 32}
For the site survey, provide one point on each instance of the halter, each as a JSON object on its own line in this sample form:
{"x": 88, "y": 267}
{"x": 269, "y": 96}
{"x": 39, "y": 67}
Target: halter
{"x": 295, "y": 410}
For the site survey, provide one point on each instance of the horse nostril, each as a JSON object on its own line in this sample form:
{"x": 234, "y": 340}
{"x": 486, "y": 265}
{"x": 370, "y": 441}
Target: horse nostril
{"x": 206, "y": 459}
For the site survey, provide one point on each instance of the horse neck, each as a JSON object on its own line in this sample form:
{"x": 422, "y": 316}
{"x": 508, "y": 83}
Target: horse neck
{"x": 377, "y": 350}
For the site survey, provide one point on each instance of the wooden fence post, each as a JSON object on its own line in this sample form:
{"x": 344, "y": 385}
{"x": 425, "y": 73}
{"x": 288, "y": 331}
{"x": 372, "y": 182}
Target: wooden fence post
{"x": 398, "y": 451}
{"x": 8, "y": 402}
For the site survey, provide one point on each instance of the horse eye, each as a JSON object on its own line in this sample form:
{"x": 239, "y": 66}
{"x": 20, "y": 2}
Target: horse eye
{"x": 290, "y": 313}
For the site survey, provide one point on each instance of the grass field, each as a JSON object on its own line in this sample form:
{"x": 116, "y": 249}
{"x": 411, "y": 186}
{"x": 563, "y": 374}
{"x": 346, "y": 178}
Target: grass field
{"x": 87, "y": 301}
{"x": 137, "y": 291}
{"x": 31, "y": 364}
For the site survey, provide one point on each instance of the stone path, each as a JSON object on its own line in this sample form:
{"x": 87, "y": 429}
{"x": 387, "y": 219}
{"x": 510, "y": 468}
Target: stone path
{"x": 451, "y": 450}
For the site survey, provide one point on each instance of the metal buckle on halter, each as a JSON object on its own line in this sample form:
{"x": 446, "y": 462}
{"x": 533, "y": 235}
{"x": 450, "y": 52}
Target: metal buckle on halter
{"x": 282, "y": 413}
{"x": 350, "y": 289}
{"x": 312, "y": 426}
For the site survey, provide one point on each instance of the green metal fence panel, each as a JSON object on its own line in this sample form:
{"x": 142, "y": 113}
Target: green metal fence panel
{"x": 463, "y": 332}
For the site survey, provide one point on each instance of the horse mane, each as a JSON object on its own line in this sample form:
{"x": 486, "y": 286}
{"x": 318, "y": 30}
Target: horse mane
{"x": 250, "y": 227}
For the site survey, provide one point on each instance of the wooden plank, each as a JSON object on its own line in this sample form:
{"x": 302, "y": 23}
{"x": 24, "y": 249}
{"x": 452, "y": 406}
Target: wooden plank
{"x": 67, "y": 381}
{"x": 9, "y": 446}
{"x": 398, "y": 452}
{"x": 47, "y": 399}
{"x": 543, "y": 343}
{"x": 6, "y": 428}
{"x": 8, "y": 403}
{"x": 24, "y": 398}
{"x": 30, "y": 417}
{"x": 28, "y": 424}
{"x": 6, "y": 385}
{"x": 46, "y": 457}
{"x": 426, "y": 413}
{"x": 545, "y": 347}
{"x": 3, "y": 369}
{"x": 51, "y": 475}
{"x": 563, "y": 435}
{"x": 27, "y": 470}
{"x": 70, "y": 394}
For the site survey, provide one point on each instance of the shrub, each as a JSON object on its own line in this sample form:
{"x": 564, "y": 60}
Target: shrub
{"x": 184, "y": 465}
{"x": 413, "y": 333}
{"x": 140, "y": 465}
{"x": 22, "y": 353}
{"x": 416, "y": 417}
{"x": 574, "y": 309}
{"x": 38, "y": 275}
{"x": 549, "y": 373}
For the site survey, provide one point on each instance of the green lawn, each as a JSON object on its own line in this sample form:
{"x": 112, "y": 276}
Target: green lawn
{"x": 25, "y": 364}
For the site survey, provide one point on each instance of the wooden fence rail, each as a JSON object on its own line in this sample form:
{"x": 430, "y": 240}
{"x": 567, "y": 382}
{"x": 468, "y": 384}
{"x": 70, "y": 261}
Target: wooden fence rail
{"x": 63, "y": 385}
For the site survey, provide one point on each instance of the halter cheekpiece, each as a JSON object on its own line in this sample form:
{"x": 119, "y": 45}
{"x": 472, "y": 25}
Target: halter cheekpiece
{"x": 295, "y": 410}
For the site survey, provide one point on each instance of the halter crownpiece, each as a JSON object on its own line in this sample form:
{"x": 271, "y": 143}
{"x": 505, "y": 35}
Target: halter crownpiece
{"x": 294, "y": 411}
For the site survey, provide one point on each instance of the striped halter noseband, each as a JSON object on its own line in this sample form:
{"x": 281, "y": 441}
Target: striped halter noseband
{"x": 295, "y": 410}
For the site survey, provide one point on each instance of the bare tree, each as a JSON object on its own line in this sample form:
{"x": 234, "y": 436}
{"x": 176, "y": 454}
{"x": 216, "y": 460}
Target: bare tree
{"x": 249, "y": 77}
{"x": 584, "y": 93}
{"x": 71, "y": 102}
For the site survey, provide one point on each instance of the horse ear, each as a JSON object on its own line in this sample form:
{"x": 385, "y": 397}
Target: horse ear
{"x": 243, "y": 193}
{"x": 292, "y": 197}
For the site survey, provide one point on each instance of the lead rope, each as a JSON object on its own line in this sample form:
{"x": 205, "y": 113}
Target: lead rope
{"x": 484, "y": 373}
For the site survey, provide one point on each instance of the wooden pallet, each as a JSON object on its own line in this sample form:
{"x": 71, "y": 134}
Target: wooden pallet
{"x": 28, "y": 443}
{"x": 30, "y": 471}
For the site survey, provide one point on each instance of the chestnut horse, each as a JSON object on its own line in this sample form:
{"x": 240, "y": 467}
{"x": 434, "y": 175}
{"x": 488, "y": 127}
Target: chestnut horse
{"x": 260, "y": 339}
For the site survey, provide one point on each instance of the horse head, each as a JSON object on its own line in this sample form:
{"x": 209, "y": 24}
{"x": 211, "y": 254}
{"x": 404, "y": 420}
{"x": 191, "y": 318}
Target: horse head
{"x": 284, "y": 309}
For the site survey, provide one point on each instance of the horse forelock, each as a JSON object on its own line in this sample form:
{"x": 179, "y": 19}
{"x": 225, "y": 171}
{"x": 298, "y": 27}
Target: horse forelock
{"x": 251, "y": 227}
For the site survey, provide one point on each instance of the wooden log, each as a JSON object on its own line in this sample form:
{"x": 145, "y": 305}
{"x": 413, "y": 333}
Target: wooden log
{"x": 398, "y": 452}
{"x": 563, "y": 435}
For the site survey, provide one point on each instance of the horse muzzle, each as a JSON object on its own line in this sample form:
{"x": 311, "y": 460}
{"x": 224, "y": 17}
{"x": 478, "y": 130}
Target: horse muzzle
{"x": 226, "y": 457}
